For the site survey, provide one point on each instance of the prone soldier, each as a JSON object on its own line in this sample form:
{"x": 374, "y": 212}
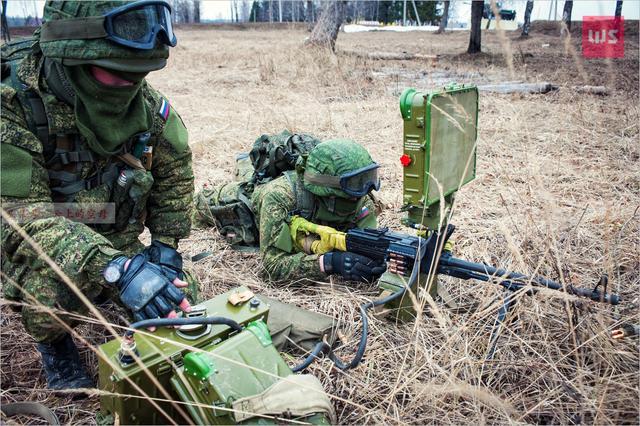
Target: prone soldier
{"x": 331, "y": 186}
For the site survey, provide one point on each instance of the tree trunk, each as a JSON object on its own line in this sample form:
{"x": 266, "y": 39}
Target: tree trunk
{"x": 566, "y": 17}
{"x": 196, "y": 11}
{"x": 445, "y": 18}
{"x": 325, "y": 32}
{"x": 309, "y": 15}
{"x": 475, "y": 38}
{"x": 6, "y": 35}
{"x": 527, "y": 19}
{"x": 415, "y": 10}
{"x": 618, "y": 9}
{"x": 404, "y": 13}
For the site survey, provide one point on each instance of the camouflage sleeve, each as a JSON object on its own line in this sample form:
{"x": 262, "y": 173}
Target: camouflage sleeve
{"x": 77, "y": 249}
{"x": 171, "y": 201}
{"x": 280, "y": 263}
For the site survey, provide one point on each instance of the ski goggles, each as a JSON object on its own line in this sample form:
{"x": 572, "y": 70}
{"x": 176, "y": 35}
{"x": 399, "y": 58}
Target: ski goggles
{"x": 137, "y": 25}
{"x": 356, "y": 183}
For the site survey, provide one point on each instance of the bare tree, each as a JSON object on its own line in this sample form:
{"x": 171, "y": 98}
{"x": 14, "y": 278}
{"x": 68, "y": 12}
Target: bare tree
{"x": 196, "y": 11}
{"x": 618, "y": 9}
{"x": 325, "y": 32}
{"x": 445, "y": 18}
{"x": 527, "y": 19}
{"x": 6, "y": 35}
{"x": 309, "y": 14}
{"x": 566, "y": 17}
{"x": 475, "y": 37}
{"x": 270, "y": 11}
{"x": 245, "y": 10}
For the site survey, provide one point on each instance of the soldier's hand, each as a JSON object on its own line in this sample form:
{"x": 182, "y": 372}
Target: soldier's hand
{"x": 316, "y": 239}
{"x": 148, "y": 292}
{"x": 352, "y": 266}
{"x": 166, "y": 257}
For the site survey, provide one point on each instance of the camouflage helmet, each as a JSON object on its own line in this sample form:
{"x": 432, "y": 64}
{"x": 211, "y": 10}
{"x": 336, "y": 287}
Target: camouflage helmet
{"x": 74, "y": 32}
{"x": 332, "y": 163}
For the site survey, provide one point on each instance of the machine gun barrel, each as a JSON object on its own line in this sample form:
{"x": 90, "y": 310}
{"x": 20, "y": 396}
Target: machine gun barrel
{"x": 383, "y": 244}
{"x": 449, "y": 265}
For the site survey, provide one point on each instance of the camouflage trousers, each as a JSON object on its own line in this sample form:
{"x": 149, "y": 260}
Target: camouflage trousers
{"x": 40, "y": 292}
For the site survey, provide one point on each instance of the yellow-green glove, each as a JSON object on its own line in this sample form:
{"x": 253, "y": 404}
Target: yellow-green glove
{"x": 312, "y": 238}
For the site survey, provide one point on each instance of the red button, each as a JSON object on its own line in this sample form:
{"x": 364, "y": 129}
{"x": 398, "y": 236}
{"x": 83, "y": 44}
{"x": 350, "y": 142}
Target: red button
{"x": 405, "y": 160}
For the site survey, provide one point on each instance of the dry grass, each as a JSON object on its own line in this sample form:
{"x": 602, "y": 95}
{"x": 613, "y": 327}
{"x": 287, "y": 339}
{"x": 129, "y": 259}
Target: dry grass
{"x": 557, "y": 193}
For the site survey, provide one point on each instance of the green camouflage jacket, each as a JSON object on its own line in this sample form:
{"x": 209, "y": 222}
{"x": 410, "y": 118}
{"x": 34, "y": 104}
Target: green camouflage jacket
{"x": 81, "y": 249}
{"x": 272, "y": 204}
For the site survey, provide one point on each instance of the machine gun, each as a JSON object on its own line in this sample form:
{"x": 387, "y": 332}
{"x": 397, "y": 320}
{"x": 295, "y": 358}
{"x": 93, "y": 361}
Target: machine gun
{"x": 401, "y": 252}
{"x": 439, "y": 157}
{"x": 439, "y": 144}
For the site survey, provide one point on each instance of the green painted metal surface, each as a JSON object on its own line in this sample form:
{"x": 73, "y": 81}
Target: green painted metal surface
{"x": 403, "y": 309}
{"x": 209, "y": 365}
{"x": 439, "y": 136}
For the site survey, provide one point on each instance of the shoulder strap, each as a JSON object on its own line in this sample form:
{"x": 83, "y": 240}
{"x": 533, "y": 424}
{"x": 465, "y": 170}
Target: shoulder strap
{"x": 32, "y": 105}
{"x": 70, "y": 184}
{"x": 305, "y": 200}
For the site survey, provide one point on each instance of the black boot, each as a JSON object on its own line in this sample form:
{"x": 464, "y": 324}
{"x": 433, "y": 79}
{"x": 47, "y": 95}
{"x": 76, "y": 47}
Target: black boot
{"x": 62, "y": 365}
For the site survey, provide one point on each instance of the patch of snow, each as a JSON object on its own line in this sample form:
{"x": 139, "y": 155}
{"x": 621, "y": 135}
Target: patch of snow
{"x": 355, "y": 28}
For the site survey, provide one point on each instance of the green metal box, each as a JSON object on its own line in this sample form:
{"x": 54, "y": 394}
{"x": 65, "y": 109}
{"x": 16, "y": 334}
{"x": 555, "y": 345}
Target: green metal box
{"x": 439, "y": 148}
{"x": 200, "y": 370}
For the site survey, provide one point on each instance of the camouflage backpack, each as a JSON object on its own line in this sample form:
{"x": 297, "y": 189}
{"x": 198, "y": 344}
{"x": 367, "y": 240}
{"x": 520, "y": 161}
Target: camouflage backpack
{"x": 272, "y": 155}
{"x": 229, "y": 207}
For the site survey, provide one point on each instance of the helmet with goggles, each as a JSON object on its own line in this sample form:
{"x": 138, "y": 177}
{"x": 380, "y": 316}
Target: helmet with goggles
{"x": 340, "y": 168}
{"x": 125, "y": 36}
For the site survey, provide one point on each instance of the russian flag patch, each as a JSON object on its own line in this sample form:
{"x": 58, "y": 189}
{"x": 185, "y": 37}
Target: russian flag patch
{"x": 164, "y": 109}
{"x": 363, "y": 213}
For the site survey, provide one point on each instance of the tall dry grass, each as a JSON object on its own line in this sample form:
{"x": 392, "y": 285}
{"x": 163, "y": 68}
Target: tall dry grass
{"x": 557, "y": 193}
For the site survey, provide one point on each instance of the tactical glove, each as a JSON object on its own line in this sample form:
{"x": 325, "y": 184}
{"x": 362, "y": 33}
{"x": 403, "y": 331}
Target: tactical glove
{"x": 147, "y": 291}
{"x": 352, "y": 266}
{"x": 305, "y": 236}
{"x": 166, "y": 257}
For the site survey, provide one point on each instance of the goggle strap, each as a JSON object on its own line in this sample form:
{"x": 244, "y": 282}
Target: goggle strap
{"x": 322, "y": 180}
{"x": 75, "y": 28}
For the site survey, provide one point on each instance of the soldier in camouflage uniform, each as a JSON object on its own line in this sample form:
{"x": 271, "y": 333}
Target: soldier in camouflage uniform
{"x": 80, "y": 125}
{"x": 331, "y": 188}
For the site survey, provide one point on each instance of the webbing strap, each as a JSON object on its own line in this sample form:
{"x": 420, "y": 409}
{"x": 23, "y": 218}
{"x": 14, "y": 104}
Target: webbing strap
{"x": 73, "y": 29}
{"x": 66, "y": 157}
{"x": 322, "y": 180}
{"x": 62, "y": 176}
{"x": 39, "y": 117}
{"x": 247, "y": 202}
{"x": 305, "y": 200}
{"x": 37, "y": 121}
{"x": 108, "y": 175}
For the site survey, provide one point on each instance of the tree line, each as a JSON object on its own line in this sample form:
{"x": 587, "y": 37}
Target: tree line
{"x": 387, "y": 12}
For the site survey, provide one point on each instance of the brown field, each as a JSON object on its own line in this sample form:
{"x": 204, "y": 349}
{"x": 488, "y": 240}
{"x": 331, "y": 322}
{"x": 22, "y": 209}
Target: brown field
{"x": 557, "y": 193}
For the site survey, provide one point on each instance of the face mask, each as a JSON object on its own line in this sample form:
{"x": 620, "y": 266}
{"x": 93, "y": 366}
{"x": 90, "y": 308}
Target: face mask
{"x": 108, "y": 116}
{"x": 337, "y": 209}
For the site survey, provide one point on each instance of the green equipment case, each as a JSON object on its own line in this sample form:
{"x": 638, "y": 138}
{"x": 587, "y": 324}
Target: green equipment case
{"x": 439, "y": 150}
{"x": 194, "y": 373}
{"x": 439, "y": 156}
